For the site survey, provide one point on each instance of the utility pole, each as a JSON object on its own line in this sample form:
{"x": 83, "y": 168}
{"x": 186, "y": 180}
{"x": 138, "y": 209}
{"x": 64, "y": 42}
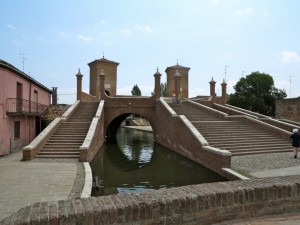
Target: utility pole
{"x": 22, "y": 55}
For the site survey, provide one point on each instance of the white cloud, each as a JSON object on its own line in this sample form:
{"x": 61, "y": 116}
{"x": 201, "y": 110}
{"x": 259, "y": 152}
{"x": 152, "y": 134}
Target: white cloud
{"x": 214, "y": 3}
{"x": 245, "y": 12}
{"x": 11, "y": 27}
{"x": 62, "y": 34}
{"x": 103, "y": 22}
{"x": 85, "y": 38}
{"x": 145, "y": 28}
{"x": 106, "y": 34}
{"x": 126, "y": 32}
{"x": 289, "y": 57}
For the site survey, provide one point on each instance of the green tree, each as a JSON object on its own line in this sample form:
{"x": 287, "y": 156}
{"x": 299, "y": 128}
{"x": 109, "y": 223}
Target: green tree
{"x": 257, "y": 93}
{"x": 163, "y": 89}
{"x": 136, "y": 90}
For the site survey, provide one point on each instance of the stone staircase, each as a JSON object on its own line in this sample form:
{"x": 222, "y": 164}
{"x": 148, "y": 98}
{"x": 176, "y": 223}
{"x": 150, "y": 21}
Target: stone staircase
{"x": 237, "y": 137}
{"x": 69, "y": 136}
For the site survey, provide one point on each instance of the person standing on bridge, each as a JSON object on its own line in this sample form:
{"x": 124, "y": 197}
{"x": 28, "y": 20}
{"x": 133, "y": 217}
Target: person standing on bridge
{"x": 179, "y": 99}
{"x": 174, "y": 98}
{"x": 295, "y": 142}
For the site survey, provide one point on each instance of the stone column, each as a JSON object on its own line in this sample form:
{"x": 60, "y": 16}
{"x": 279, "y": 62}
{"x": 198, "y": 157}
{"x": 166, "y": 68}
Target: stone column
{"x": 212, "y": 87}
{"x": 157, "y": 88}
{"x": 102, "y": 84}
{"x": 79, "y": 84}
{"x": 224, "y": 94}
{"x": 177, "y": 77}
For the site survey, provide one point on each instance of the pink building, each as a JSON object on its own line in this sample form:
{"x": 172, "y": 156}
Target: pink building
{"x": 22, "y": 102}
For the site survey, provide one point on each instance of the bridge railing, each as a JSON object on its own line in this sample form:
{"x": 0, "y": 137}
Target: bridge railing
{"x": 95, "y": 136}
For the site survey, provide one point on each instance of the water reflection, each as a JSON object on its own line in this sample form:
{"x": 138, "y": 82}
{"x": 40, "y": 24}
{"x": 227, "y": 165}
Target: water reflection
{"x": 135, "y": 163}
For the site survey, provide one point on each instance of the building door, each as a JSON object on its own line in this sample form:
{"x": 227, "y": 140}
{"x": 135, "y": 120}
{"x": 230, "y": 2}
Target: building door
{"x": 19, "y": 97}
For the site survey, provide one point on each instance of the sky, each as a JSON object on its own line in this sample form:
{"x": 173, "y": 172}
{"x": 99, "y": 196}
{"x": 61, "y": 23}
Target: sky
{"x": 223, "y": 39}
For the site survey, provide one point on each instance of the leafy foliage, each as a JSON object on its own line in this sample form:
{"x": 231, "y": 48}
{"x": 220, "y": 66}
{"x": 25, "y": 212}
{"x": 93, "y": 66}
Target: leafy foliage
{"x": 163, "y": 89}
{"x": 54, "y": 111}
{"x": 136, "y": 91}
{"x": 257, "y": 93}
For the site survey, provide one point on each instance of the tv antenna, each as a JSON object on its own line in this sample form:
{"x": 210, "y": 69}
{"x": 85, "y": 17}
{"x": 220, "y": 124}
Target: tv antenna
{"x": 22, "y": 55}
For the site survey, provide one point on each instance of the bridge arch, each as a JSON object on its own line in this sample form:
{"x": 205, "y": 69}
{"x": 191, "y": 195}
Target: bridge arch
{"x": 115, "y": 120}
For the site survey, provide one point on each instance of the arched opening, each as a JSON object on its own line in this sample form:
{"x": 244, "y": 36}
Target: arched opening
{"x": 126, "y": 119}
{"x": 134, "y": 137}
{"x": 107, "y": 93}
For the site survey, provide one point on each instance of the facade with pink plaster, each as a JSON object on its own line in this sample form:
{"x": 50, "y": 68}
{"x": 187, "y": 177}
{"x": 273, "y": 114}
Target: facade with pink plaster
{"x": 22, "y": 101}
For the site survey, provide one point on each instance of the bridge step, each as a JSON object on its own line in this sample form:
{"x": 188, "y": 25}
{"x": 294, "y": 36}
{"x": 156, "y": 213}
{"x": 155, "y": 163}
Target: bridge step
{"x": 58, "y": 156}
{"x": 235, "y": 136}
{"x": 69, "y": 136}
{"x": 48, "y": 153}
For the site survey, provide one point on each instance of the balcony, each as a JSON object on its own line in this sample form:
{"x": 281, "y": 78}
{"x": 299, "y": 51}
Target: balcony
{"x": 17, "y": 106}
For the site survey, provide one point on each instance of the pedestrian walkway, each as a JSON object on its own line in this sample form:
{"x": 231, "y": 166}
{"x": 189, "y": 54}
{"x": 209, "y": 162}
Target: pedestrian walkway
{"x": 280, "y": 219}
{"x": 25, "y": 182}
{"x": 294, "y": 170}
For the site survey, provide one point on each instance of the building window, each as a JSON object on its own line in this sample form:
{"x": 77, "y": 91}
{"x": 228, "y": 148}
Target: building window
{"x": 17, "y": 130}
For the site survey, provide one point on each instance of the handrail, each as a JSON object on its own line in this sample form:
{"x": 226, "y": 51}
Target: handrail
{"x": 23, "y": 106}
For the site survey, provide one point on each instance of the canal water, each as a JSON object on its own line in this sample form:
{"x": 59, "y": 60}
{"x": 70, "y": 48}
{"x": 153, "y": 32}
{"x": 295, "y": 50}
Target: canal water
{"x": 136, "y": 164}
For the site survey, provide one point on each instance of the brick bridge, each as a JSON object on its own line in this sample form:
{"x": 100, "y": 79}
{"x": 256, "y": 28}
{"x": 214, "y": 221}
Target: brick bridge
{"x": 94, "y": 120}
{"x": 189, "y": 131}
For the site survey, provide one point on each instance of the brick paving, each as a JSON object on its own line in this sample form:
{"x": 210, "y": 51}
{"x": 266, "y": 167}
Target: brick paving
{"x": 25, "y": 182}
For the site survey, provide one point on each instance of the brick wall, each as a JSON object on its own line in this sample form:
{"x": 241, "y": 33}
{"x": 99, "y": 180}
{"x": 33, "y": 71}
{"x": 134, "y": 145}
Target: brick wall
{"x": 194, "y": 204}
{"x": 288, "y": 109}
{"x": 173, "y": 133}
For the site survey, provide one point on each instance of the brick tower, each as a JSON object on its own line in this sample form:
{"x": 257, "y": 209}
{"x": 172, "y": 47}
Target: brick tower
{"x": 184, "y": 79}
{"x": 110, "y": 70}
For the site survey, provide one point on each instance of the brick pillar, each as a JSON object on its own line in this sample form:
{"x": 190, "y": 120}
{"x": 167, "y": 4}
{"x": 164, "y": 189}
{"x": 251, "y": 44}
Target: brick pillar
{"x": 224, "y": 94}
{"x": 157, "y": 88}
{"x": 79, "y": 84}
{"x": 177, "y": 77}
{"x": 102, "y": 84}
{"x": 54, "y": 95}
{"x": 212, "y": 87}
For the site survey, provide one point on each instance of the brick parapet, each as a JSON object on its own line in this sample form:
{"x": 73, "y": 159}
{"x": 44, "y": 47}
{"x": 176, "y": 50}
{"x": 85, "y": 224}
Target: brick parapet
{"x": 95, "y": 137}
{"x": 194, "y": 204}
{"x": 288, "y": 109}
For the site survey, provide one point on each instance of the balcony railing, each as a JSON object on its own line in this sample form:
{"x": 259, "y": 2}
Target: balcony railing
{"x": 17, "y": 106}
